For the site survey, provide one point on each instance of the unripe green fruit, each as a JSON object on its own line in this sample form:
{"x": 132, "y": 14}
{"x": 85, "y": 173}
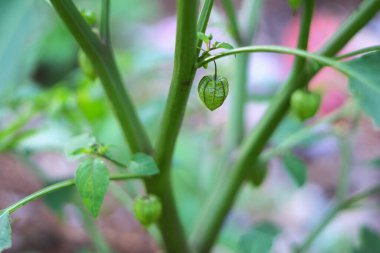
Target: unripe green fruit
{"x": 147, "y": 209}
{"x": 213, "y": 91}
{"x": 89, "y": 16}
{"x": 86, "y": 65}
{"x": 305, "y": 104}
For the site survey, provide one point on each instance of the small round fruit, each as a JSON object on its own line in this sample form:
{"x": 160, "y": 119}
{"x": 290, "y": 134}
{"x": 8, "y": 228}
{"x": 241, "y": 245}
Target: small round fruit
{"x": 89, "y": 16}
{"x": 147, "y": 209}
{"x": 213, "y": 91}
{"x": 86, "y": 65}
{"x": 305, "y": 104}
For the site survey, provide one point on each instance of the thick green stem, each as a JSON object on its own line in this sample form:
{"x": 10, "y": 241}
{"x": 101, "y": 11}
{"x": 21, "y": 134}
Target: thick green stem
{"x": 225, "y": 192}
{"x": 332, "y": 213}
{"x": 103, "y": 61}
{"x": 182, "y": 79}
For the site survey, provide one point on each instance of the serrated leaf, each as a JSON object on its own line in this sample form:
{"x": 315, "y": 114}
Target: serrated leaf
{"x": 203, "y": 37}
{"x": 92, "y": 180}
{"x": 369, "y": 241}
{"x": 295, "y": 4}
{"x": 296, "y": 169}
{"x": 5, "y": 231}
{"x": 224, "y": 45}
{"x": 259, "y": 239}
{"x": 367, "y": 93}
{"x": 143, "y": 165}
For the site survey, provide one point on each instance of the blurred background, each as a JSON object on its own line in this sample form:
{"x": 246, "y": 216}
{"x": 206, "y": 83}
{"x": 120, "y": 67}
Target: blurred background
{"x": 46, "y": 103}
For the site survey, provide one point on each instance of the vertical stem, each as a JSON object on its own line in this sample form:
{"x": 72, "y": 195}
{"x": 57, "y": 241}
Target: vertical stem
{"x": 229, "y": 8}
{"x": 345, "y": 166}
{"x": 104, "y": 23}
{"x": 182, "y": 79}
{"x": 236, "y": 121}
{"x": 223, "y": 196}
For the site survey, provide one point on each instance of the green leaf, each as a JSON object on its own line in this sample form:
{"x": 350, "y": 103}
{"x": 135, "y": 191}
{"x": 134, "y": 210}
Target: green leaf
{"x": 296, "y": 168}
{"x": 224, "y": 45}
{"x": 367, "y": 93}
{"x": 203, "y": 37}
{"x": 5, "y": 231}
{"x": 143, "y": 164}
{"x": 375, "y": 162}
{"x": 258, "y": 173}
{"x": 213, "y": 91}
{"x": 259, "y": 239}
{"x": 91, "y": 180}
{"x": 369, "y": 241}
{"x": 295, "y": 4}
{"x": 79, "y": 146}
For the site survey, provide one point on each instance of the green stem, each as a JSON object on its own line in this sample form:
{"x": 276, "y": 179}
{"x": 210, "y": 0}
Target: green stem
{"x": 61, "y": 185}
{"x": 182, "y": 79}
{"x": 104, "y": 23}
{"x": 220, "y": 202}
{"x": 345, "y": 167}
{"x": 238, "y": 98}
{"x": 229, "y": 8}
{"x": 104, "y": 63}
{"x": 203, "y": 21}
{"x": 341, "y": 67}
{"x": 332, "y": 213}
{"x": 358, "y": 52}
{"x": 225, "y": 192}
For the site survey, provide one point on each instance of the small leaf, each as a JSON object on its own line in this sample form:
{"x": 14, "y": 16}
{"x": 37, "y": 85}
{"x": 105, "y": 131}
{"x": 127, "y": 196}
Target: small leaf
{"x": 213, "y": 92}
{"x": 296, "y": 168}
{"x": 203, "y": 37}
{"x": 143, "y": 164}
{"x": 258, "y": 173}
{"x": 79, "y": 146}
{"x": 5, "y": 231}
{"x": 259, "y": 239}
{"x": 224, "y": 45}
{"x": 91, "y": 180}
{"x": 367, "y": 93}
{"x": 369, "y": 241}
{"x": 295, "y": 4}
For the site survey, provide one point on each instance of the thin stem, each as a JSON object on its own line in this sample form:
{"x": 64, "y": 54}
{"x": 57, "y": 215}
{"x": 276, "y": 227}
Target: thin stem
{"x": 103, "y": 61}
{"x": 229, "y": 8}
{"x": 252, "y": 17}
{"x": 302, "y": 54}
{"x": 215, "y": 71}
{"x": 345, "y": 167}
{"x": 358, "y": 52}
{"x": 220, "y": 202}
{"x": 332, "y": 213}
{"x": 117, "y": 163}
{"x": 61, "y": 185}
{"x": 203, "y": 20}
{"x": 104, "y": 23}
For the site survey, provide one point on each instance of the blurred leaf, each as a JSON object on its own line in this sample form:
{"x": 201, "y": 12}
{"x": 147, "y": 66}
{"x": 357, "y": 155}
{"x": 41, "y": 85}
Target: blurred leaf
{"x": 258, "y": 173}
{"x": 143, "y": 164}
{"x": 296, "y": 168}
{"x": 203, "y": 37}
{"x": 78, "y": 146}
{"x": 5, "y": 231}
{"x": 295, "y": 4}
{"x": 91, "y": 180}
{"x": 376, "y": 162}
{"x": 368, "y": 95}
{"x": 259, "y": 239}
{"x": 56, "y": 200}
{"x": 369, "y": 241}
{"x": 224, "y": 45}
